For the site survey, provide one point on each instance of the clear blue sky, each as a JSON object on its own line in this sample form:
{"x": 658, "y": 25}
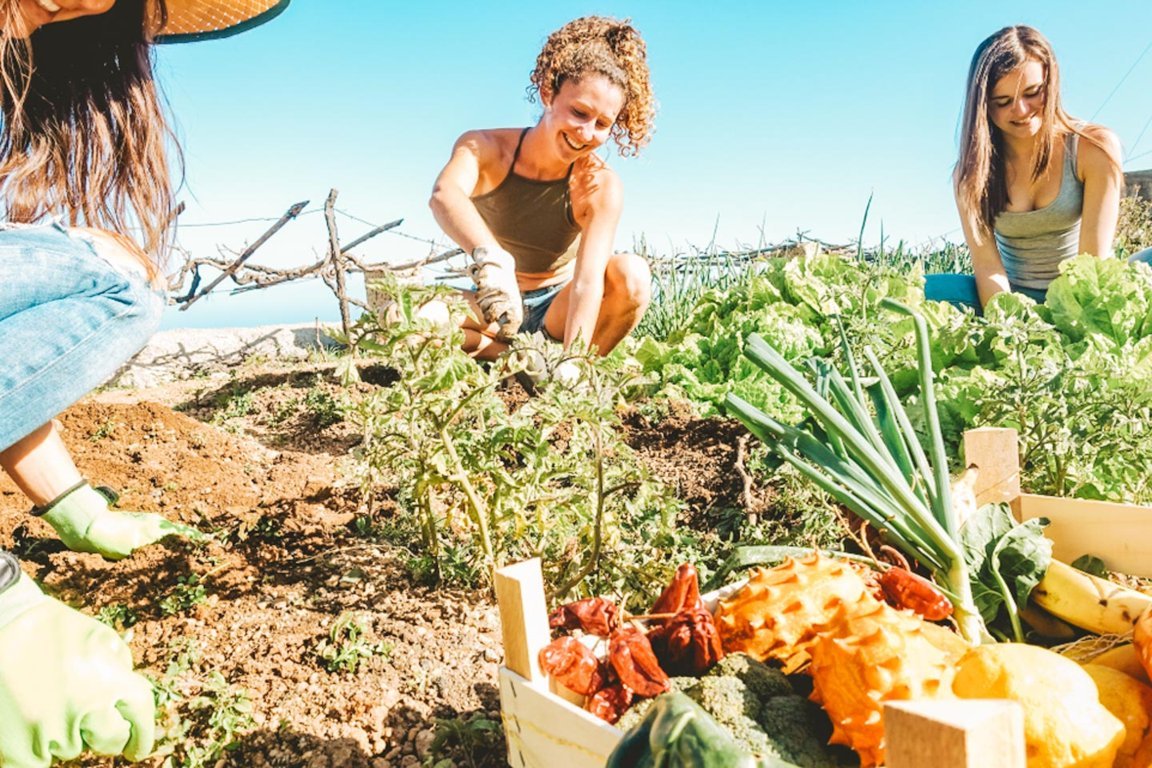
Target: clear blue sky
{"x": 776, "y": 116}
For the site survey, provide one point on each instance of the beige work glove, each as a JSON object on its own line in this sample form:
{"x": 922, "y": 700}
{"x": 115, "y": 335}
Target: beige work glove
{"x": 494, "y": 272}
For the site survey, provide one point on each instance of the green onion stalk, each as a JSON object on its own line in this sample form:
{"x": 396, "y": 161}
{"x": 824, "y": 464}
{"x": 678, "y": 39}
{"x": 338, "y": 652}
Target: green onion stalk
{"x": 873, "y": 464}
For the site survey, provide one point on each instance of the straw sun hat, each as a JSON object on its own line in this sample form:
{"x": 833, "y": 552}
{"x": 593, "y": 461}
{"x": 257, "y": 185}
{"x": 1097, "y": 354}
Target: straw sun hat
{"x": 190, "y": 20}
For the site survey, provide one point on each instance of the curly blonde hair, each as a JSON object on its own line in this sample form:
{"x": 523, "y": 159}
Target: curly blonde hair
{"x": 598, "y": 45}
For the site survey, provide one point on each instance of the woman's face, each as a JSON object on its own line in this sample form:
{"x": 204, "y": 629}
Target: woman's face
{"x": 37, "y": 13}
{"x": 581, "y": 114}
{"x": 1016, "y": 103}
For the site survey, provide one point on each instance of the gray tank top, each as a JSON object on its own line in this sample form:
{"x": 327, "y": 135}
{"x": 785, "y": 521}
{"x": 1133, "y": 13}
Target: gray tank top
{"x": 1033, "y": 243}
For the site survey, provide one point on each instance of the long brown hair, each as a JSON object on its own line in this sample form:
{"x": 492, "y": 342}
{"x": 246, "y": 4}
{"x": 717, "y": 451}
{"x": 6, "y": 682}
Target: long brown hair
{"x": 609, "y": 47}
{"x": 980, "y": 173}
{"x": 84, "y": 133}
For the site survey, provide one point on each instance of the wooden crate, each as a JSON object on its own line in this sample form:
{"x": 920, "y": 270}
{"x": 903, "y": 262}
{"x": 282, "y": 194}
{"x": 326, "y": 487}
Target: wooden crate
{"x": 546, "y": 730}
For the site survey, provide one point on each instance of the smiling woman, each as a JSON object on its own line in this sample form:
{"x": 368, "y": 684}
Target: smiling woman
{"x": 537, "y": 207}
{"x": 1033, "y": 185}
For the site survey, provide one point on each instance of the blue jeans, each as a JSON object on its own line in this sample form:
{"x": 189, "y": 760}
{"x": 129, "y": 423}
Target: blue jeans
{"x": 68, "y": 321}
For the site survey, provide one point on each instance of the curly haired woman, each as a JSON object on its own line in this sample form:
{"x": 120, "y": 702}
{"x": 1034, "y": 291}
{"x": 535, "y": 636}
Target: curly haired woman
{"x": 82, "y": 165}
{"x": 1033, "y": 185}
{"x": 537, "y": 208}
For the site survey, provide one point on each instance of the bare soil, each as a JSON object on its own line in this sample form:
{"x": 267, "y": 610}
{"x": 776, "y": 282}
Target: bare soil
{"x": 256, "y": 457}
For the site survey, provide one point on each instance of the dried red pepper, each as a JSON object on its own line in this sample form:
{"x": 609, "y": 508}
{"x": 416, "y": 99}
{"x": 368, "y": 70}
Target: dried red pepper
{"x": 903, "y": 588}
{"x": 688, "y": 644}
{"x": 631, "y": 656}
{"x": 573, "y": 665}
{"x": 683, "y": 592}
{"x": 592, "y": 614}
{"x": 610, "y": 702}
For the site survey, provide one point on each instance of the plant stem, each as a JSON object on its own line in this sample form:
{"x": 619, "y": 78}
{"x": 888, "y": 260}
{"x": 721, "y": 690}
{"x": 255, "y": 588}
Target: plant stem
{"x": 476, "y": 506}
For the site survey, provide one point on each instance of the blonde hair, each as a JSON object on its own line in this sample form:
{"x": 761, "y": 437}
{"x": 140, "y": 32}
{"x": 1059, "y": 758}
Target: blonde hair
{"x": 598, "y": 45}
{"x": 84, "y": 131}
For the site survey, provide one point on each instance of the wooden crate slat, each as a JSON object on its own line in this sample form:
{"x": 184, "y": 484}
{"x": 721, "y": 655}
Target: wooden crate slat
{"x": 544, "y": 731}
{"x": 995, "y": 454}
{"x": 1119, "y": 534}
{"x": 523, "y": 616}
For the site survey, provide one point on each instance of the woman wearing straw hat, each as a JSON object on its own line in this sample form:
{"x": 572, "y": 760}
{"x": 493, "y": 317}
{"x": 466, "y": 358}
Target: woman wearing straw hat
{"x": 537, "y": 208}
{"x": 82, "y": 165}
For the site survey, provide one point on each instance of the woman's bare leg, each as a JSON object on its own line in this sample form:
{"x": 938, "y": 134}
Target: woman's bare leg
{"x": 40, "y": 465}
{"x": 627, "y": 293}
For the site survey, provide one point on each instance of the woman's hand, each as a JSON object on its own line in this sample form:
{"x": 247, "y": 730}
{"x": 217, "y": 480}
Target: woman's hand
{"x": 66, "y": 685}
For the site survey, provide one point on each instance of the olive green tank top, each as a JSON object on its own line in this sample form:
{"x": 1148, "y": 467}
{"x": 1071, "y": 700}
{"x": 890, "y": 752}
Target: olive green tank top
{"x": 530, "y": 219}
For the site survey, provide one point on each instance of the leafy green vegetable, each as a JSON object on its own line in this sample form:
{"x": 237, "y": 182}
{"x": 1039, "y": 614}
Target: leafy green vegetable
{"x": 1005, "y": 560}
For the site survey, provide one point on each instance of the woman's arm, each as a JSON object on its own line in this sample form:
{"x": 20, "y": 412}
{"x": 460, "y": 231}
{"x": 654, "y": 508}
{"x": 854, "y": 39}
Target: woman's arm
{"x": 597, "y": 199}
{"x": 987, "y": 265}
{"x": 1098, "y": 162}
{"x": 451, "y": 201}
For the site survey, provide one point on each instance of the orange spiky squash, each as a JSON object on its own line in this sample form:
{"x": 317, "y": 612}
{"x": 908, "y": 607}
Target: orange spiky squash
{"x": 875, "y": 654}
{"x": 775, "y": 615}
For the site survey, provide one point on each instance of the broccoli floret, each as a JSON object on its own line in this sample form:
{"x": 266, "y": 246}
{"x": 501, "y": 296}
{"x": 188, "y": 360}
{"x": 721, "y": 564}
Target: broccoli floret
{"x": 734, "y": 707}
{"x": 640, "y": 707}
{"x": 635, "y": 714}
{"x": 725, "y": 698}
{"x": 797, "y": 732}
{"x": 762, "y": 680}
{"x": 748, "y": 734}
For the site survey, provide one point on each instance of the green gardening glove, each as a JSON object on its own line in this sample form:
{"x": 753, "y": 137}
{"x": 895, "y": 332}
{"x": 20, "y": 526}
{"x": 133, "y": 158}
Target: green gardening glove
{"x": 66, "y": 685}
{"x": 84, "y": 523}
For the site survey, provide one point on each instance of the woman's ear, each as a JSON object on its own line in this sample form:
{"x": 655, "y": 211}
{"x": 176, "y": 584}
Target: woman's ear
{"x": 546, "y": 97}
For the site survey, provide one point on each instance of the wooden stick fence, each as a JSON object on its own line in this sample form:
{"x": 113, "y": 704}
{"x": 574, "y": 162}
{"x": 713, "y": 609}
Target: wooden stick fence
{"x": 333, "y": 269}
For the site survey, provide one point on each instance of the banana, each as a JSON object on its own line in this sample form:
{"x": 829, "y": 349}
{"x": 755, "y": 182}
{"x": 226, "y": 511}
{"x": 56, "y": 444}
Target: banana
{"x": 1089, "y": 602}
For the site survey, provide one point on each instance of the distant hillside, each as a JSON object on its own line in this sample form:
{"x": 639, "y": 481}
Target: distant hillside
{"x": 1139, "y": 182}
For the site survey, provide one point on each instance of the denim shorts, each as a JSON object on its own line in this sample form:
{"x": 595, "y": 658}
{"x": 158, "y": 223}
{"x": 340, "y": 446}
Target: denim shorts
{"x": 68, "y": 320}
{"x": 536, "y": 303}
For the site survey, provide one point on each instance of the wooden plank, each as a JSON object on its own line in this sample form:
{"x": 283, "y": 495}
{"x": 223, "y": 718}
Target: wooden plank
{"x": 1119, "y": 534}
{"x": 996, "y": 455}
{"x": 954, "y": 733}
{"x": 523, "y": 617}
{"x": 544, "y": 731}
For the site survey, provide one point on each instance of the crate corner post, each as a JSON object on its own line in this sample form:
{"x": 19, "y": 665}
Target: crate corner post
{"x": 954, "y": 733}
{"x": 995, "y": 453}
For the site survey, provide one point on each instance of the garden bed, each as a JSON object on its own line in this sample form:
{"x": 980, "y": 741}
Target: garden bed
{"x": 234, "y": 629}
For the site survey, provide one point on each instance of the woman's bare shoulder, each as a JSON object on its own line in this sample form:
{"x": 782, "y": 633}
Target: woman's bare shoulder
{"x": 592, "y": 172}
{"x": 490, "y": 145}
{"x": 594, "y": 186}
{"x": 1102, "y": 150}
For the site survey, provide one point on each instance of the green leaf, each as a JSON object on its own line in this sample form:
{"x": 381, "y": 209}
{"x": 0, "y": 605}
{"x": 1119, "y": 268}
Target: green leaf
{"x": 1003, "y": 553}
{"x": 1092, "y": 565}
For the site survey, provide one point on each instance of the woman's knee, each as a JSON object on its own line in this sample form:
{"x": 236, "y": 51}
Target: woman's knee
{"x": 630, "y": 277}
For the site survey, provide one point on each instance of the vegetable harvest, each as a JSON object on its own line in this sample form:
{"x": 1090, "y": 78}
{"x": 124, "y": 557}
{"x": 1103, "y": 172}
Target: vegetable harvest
{"x": 875, "y": 466}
